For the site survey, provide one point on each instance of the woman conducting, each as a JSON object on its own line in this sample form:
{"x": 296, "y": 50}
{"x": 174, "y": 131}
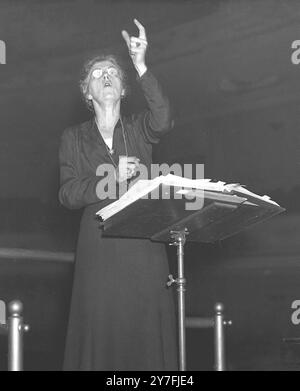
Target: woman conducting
{"x": 122, "y": 314}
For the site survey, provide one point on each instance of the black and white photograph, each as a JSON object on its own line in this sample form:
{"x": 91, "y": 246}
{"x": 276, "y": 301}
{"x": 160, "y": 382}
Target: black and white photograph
{"x": 150, "y": 188}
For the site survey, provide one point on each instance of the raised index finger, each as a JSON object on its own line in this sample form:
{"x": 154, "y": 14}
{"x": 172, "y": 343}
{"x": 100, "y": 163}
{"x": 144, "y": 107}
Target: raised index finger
{"x": 141, "y": 29}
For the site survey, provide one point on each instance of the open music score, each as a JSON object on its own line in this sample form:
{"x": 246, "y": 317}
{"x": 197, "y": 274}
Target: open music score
{"x": 152, "y": 208}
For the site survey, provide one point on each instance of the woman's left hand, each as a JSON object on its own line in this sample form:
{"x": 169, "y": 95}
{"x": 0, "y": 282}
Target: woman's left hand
{"x": 137, "y": 47}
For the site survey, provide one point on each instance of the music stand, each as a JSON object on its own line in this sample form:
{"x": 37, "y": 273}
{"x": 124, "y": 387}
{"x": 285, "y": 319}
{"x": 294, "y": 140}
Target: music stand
{"x": 221, "y": 216}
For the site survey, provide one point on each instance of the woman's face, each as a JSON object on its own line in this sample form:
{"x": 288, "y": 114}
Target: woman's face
{"x": 105, "y": 83}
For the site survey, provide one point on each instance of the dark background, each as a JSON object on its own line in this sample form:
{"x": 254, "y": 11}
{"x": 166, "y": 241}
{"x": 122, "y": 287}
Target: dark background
{"x": 226, "y": 66}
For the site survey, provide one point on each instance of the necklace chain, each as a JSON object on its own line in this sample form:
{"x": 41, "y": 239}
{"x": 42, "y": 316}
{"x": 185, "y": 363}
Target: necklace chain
{"x": 111, "y": 151}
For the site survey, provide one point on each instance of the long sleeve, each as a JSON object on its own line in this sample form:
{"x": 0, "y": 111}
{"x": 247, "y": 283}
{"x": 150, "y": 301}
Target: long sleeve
{"x": 83, "y": 151}
{"x": 76, "y": 191}
{"x": 156, "y": 120}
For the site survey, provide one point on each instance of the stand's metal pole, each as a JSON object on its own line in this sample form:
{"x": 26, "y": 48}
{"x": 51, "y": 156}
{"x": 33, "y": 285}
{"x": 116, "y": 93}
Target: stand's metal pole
{"x": 16, "y": 327}
{"x": 179, "y": 241}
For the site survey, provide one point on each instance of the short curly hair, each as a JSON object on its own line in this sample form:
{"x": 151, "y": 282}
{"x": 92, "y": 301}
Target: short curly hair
{"x": 86, "y": 71}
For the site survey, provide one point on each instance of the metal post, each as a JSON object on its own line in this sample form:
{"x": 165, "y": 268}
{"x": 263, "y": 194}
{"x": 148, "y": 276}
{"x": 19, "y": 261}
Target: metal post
{"x": 15, "y": 336}
{"x": 179, "y": 241}
{"x": 218, "y": 323}
{"x": 219, "y": 331}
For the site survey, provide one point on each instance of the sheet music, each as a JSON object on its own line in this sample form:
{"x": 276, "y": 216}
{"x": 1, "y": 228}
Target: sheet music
{"x": 241, "y": 189}
{"x": 144, "y": 187}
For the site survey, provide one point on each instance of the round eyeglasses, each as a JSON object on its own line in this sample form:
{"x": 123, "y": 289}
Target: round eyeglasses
{"x": 99, "y": 72}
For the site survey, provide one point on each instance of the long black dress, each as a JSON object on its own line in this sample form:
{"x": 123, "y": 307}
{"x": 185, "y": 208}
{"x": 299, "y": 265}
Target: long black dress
{"x": 122, "y": 314}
